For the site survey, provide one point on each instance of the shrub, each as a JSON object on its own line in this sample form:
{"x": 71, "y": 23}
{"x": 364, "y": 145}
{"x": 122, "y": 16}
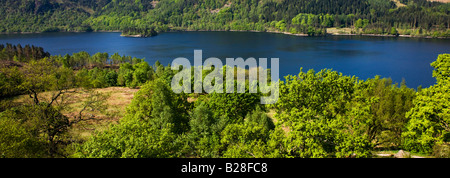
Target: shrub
{"x": 441, "y": 150}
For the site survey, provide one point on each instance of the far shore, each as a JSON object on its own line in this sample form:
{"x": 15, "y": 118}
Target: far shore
{"x": 268, "y": 31}
{"x": 306, "y": 35}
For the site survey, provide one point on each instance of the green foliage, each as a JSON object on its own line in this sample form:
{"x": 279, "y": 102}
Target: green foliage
{"x": 259, "y": 117}
{"x": 310, "y": 23}
{"x": 142, "y": 18}
{"x": 43, "y": 75}
{"x": 312, "y": 106}
{"x": 250, "y": 138}
{"x": 441, "y": 151}
{"x": 148, "y": 130}
{"x": 131, "y": 138}
{"x": 21, "y": 54}
{"x": 203, "y": 136}
{"x": 441, "y": 68}
{"x": 394, "y": 31}
{"x": 17, "y": 139}
{"x": 202, "y": 122}
{"x": 41, "y": 124}
{"x": 10, "y": 79}
{"x": 323, "y": 114}
{"x": 382, "y": 106}
{"x": 245, "y": 141}
{"x": 233, "y": 106}
{"x": 315, "y": 91}
{"x": 429, "y": 118}
{"x": 281, "y": 25}
{"x": 134, "y": 75}
{"x": 361, "y": 23}
{"x": 38, "y": 127}
{"x": 148, "y": 32}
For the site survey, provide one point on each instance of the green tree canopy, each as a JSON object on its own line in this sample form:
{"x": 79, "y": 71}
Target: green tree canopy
{"x": 430, "y": 116}
{"x": 148, "y": 130}
{"x": 313, "y": 108}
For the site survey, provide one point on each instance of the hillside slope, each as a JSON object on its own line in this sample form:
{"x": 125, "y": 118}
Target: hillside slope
{"x": 375, "y": 16}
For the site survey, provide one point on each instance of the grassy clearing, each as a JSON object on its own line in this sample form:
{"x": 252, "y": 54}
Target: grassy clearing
{"x": 339, "y": 31}
{"x": 119, "y": 98}
{"x": 398, "y": 3}
{"x": 114, "y": 108}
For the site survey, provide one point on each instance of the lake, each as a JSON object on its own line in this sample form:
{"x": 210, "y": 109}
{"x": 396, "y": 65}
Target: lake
{"x": 362, "y": 56}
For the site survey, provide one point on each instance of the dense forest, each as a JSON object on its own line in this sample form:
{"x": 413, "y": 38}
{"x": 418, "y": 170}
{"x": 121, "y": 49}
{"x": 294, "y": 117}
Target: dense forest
{"x": 403, "y": 17}
{"x": 318, "y": 114}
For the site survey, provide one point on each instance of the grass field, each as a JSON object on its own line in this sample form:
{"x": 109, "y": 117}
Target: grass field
{"x": 117, "y": 98}
{"x": 339, "y": 31}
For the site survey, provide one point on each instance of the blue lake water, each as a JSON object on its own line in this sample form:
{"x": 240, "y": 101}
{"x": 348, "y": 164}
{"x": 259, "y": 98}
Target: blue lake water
{"x": 364, "y": 57}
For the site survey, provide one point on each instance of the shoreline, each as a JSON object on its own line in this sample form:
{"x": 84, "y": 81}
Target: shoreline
{"x": 268, "y": 31}
{"x": 382, "y": 35}
{"x": 133, "y": 36}
{"x": 306, "y": 35}
{"x": 254, "y": 31}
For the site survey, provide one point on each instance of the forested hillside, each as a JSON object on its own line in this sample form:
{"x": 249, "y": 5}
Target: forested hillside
{"x": 408, "y": 17}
